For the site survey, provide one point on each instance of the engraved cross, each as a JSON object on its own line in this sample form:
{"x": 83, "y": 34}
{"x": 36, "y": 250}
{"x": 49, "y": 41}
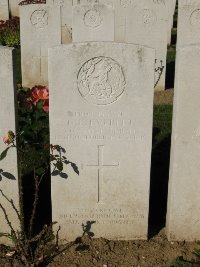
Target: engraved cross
{"x": 100, "y": 167}
{"x": 40, "y": 59}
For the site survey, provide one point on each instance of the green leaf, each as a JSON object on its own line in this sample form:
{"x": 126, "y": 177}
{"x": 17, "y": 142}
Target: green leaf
{"x": 40, "y": 171}
{"x": 52, "y": 157}
{"x": 75, "y": 168}
{"x": 4, "y": 153}
{"x": 6, "y": 235}
{"x": 40, "y": 104}
{"x": 59, "y": 165}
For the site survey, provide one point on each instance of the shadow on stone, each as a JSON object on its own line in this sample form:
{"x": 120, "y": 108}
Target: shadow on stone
{"x": 159, "y": 184}
{"x": 43, "y": 212}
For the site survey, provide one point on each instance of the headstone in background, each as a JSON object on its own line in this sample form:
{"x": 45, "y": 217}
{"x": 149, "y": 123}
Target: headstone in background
{"x": 93, "y": 23}
{"x": 188, "y": 30}
{"x": 183, "y": 216}
{"x": 170, "y": 4}
{"x": 4, "y": 12}
{"x": 14, "y": 7}
{"x": 66, "y": 18}
{"x": 120, "y": 8}
{"x": 145, "y": 26}
{"x": 102, "y": 117}
{"x": 39, "y": 30}
{"x": 8, "y": 166}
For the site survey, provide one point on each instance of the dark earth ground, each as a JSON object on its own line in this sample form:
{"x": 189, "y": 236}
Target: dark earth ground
{"x": 156, "y": 252}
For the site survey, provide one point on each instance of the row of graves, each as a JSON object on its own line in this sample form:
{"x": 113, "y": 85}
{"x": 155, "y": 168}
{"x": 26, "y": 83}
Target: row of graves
{"x": 59, "y": 22}
{"x": 101, "y": 87}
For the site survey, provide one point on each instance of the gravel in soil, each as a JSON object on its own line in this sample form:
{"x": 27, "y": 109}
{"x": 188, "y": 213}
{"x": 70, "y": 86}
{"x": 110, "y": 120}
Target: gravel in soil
{"x": 156, "y": 252}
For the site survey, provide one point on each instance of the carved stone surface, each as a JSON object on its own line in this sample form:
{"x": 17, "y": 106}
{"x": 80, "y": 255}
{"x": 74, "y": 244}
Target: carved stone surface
{"x": 126, "y": 3}
{"x": 101, "y": 81}
{"x": 39, "y": 18}
{"x": 8, "y": 166}
{"x": 40, "y": 29}
{"x": 4, "y": 12}
{"x": 93, "y": 23}
{"x": 103, "y": 120}
{"x": 195, "y": 18}
{"x": 146, "y": 25}
{"x": 188, "y": 30}
{"x": 183, "y": 216}
{"x": 163, "y": 2}
{"x": 147, "y": 17}
{"x": 92, "y": 18}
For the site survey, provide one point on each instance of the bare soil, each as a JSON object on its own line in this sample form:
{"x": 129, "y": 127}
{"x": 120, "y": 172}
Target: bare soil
{"x": 164, "y": 97}
{"x": 156, "y": 252}
{"x": 86, "y": 252}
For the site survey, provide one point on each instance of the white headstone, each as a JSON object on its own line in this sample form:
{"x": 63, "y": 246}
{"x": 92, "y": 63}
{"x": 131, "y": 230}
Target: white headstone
{"x": 146, "y": 26}
{"x": 188, "y": 30}
{"x": 8, "y": 166}
{"x": 102, "y": 116}
{"x": 183, "y": 216}
{"x": 4, "y": 12}
{"x": 120, "y": 8}
{"x": 39, "y": 30}
{"x": 93, "y": 23}
{"x": 169, "y": 11}
{"x": 66, "y": 18}
{"x": 14, "y": 7}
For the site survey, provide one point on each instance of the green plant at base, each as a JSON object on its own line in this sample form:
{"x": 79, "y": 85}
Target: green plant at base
{"x": 10, "y": 32}
{"x": 180, "y": 262}
{"x": 197, "y": 254}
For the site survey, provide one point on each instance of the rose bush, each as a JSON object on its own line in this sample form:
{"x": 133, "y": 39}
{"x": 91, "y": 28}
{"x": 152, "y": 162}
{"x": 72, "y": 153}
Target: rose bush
{"x": 33, "y": 107}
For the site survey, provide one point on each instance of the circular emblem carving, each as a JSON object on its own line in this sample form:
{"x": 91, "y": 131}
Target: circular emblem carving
{"x": 101, "y": 81}
{"x": 92, "y": 18}
{"x": 148, "y": 18}
{"x": 126, "y": 3}
{"x": 195, "y": 18}
{"x": 39, "y": 18}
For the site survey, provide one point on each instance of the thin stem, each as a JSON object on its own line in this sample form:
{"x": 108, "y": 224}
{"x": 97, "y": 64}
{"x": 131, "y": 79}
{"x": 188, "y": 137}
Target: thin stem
{"x": 12, "y": 204}
{"x": 21, "y": 193}
{"x": 8, "y": 221}
{"x": 34, "y": 203}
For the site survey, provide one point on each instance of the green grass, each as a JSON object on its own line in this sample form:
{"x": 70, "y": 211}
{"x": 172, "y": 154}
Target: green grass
{"x": 162, "y": 122}
{"x": 171, "y": 54}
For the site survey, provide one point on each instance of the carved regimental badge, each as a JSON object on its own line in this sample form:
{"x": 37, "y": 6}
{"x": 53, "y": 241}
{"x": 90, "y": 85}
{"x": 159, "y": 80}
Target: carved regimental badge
{"x": 39, "y": 19}
{"x": 101, "y": 81}
{"x": 147, "y": 17}
{"x": 92, "y": 18}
